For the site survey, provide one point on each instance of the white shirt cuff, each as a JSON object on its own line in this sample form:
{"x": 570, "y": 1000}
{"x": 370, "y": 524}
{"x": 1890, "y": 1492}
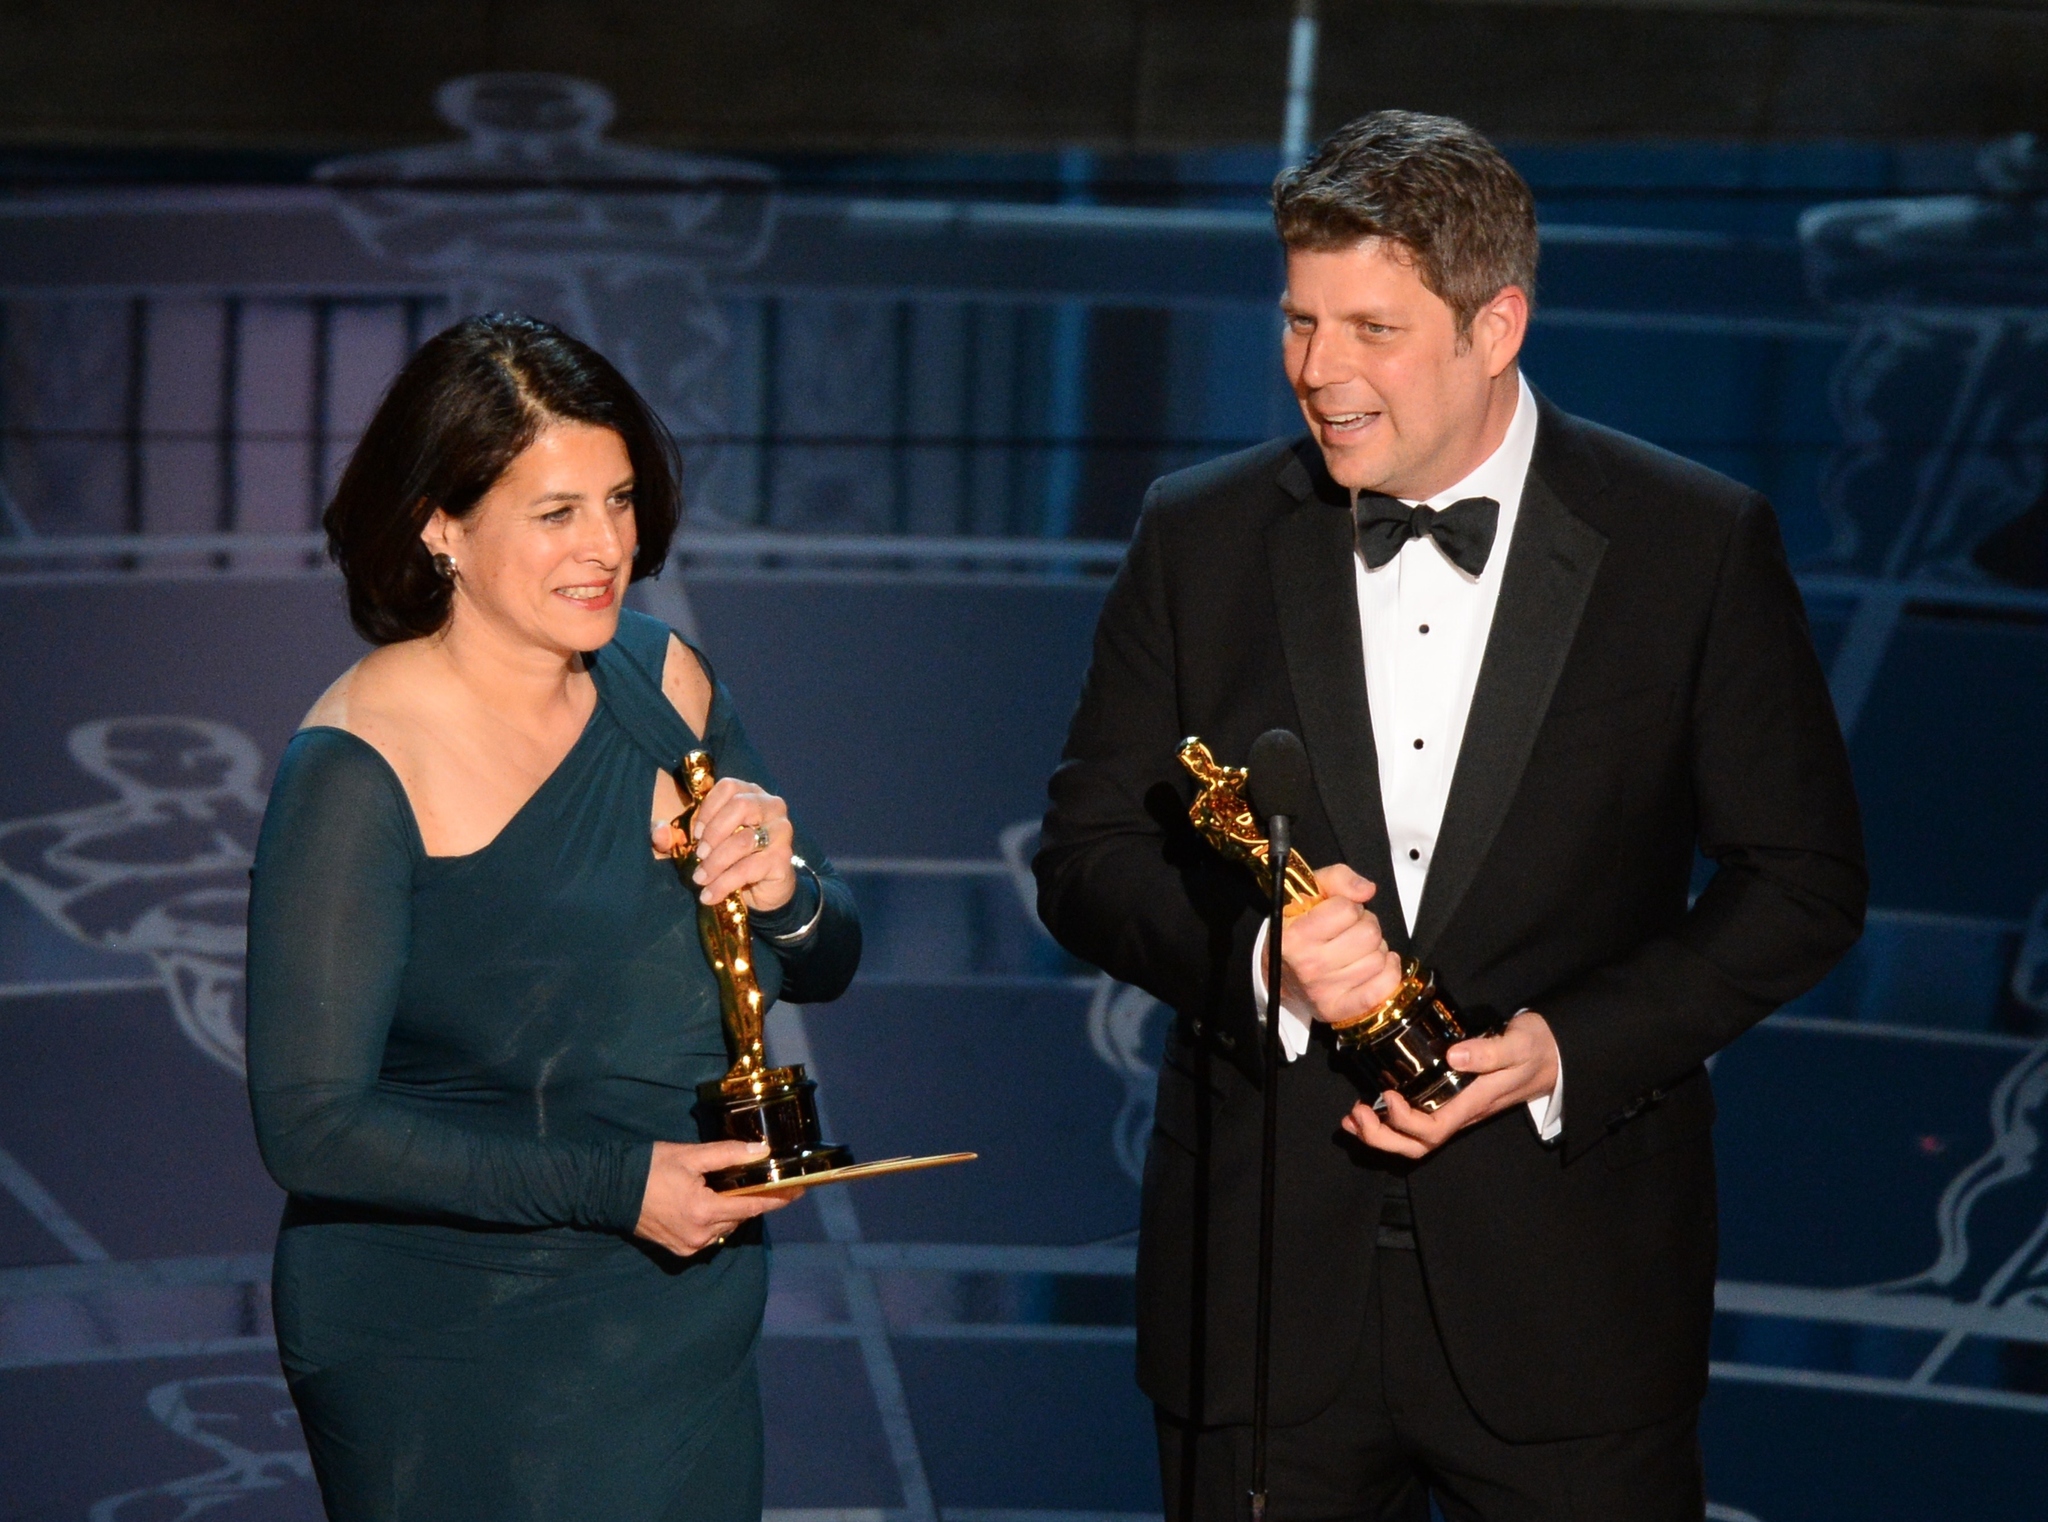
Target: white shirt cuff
{"x": 1294, "y": 1023}
{"x": 1547, "y": 1114}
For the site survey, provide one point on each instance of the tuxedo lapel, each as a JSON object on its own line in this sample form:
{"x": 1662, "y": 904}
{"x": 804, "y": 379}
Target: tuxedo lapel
{"x": 1552, "y": 559}
{"x": 1309, "y": 553}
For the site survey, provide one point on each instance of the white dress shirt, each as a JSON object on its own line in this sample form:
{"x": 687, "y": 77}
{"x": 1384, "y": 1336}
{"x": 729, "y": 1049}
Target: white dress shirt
{"x": 1424, "y": 623}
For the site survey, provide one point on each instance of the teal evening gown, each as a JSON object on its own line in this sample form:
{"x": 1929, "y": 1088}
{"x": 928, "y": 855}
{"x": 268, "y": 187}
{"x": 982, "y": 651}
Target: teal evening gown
{"x": 458, "y": 1067}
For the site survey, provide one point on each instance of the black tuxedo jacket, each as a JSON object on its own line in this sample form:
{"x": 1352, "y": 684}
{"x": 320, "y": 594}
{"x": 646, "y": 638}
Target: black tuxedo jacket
{"x": 1649, "y": 686}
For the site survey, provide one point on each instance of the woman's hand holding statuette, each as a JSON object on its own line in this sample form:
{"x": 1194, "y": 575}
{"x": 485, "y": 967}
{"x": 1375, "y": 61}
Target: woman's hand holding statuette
{"x": 681, "y": 1212}
{"x": 745, "y": 843}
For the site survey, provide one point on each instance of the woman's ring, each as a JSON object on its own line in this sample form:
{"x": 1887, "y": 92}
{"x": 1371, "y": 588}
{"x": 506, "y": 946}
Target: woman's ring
{"x": 760, "y": 837}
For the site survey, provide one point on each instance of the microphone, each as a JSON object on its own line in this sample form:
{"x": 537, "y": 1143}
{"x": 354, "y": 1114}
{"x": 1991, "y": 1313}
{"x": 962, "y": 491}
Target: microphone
{"x": 1281, "y": 787}
{"x": 1281, "y": 782}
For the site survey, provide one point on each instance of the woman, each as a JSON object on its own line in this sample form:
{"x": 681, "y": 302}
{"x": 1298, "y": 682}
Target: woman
{"x": 478, "y": 1005}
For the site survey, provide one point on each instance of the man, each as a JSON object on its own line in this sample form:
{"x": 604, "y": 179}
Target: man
{"x": 1535, "y": 663}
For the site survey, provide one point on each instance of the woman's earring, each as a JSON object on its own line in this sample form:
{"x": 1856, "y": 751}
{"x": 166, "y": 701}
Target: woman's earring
{"x": 445, "y": 564}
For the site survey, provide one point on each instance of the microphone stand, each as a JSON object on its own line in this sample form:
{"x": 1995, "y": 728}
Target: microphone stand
{"x": 1269, "y": 1150}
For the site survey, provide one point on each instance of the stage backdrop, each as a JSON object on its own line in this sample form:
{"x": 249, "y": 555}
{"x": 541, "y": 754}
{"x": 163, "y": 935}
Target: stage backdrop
{"x": 909, "y": 358}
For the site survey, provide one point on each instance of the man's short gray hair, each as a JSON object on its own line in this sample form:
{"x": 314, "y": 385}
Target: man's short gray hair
{"x": 1428, "y": 183}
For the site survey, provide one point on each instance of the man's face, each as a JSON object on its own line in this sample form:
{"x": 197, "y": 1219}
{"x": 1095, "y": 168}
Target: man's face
{"x": 1397, "y": 400}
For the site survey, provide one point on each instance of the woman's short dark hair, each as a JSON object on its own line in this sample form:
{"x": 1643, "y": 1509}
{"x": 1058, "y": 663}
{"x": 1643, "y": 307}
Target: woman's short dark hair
{"x": 460, "y": 411}
{"x": 1429, "y": 183}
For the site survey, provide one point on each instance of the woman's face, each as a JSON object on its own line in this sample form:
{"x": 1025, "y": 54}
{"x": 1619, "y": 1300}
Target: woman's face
{"x": 546, "y": 553}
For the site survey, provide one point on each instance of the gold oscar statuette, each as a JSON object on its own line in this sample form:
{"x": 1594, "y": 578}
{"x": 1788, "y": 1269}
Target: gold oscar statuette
{"x": 1403, "y": 1038}
{"x": 753, "y": 1101}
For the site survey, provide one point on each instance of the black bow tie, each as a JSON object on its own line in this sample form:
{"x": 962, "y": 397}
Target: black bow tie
{"x": 1463, "y": 531}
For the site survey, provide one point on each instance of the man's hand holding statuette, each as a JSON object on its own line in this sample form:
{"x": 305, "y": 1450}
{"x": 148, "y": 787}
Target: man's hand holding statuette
{"x": 1334, "y": 960}
{"x": 1516, "y": 1066}
{"x": 1336, "y": 963}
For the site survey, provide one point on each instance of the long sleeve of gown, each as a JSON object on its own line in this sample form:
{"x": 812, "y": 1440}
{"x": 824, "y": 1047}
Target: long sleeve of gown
{"x": 329, "y": 928}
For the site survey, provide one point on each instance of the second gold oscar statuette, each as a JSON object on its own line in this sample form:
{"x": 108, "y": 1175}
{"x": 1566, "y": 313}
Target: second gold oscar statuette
{"x": 1405, "y": 1036}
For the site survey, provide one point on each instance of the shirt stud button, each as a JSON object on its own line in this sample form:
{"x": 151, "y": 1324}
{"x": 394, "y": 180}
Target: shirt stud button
{"x": 1418, "y": 745}
{"x": 1423, "y": 629}
{"x": 1413, "y": 854}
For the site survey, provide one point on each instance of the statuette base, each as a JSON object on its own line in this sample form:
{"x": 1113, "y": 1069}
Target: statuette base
{"x": 778, "y": 1106}
{"x": 1404, "y": 1041}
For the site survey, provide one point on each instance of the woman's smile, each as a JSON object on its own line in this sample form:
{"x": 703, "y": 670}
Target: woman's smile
{"x": 591, "y": 596}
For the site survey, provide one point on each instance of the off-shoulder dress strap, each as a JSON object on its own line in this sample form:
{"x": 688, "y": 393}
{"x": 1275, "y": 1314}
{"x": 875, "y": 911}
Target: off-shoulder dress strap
{"x": 628, "y": 676}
